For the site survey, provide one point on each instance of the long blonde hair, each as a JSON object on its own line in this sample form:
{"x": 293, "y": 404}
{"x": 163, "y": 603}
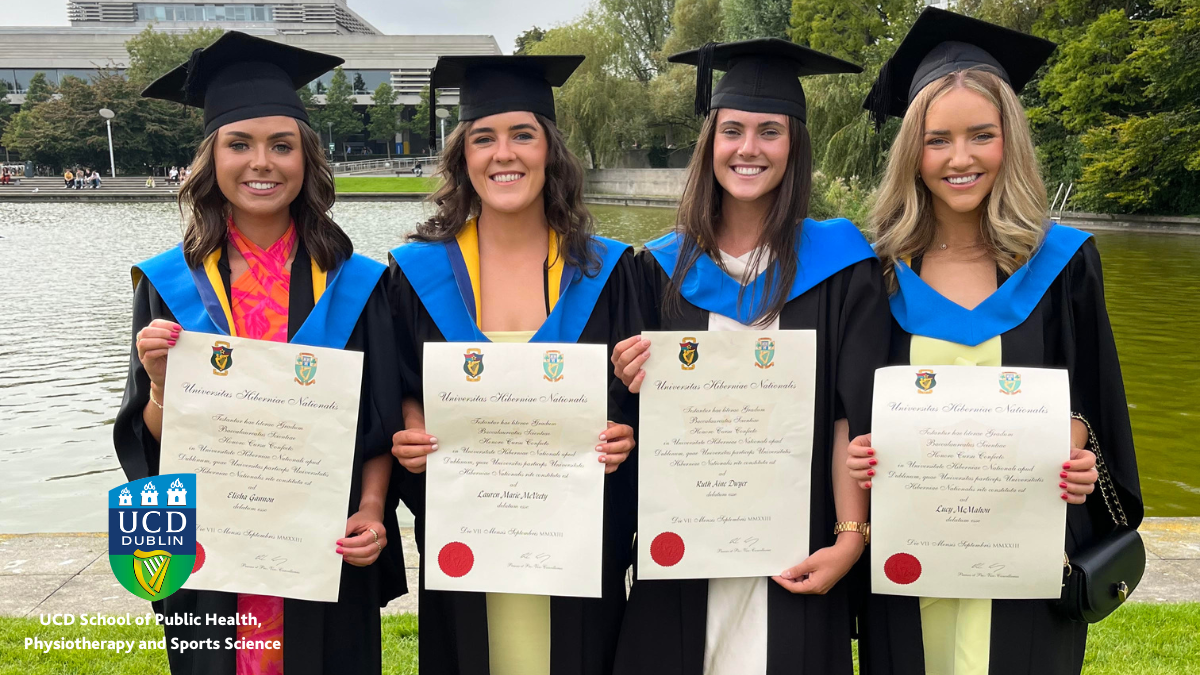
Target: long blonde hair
{"x": 1014, "y": 214}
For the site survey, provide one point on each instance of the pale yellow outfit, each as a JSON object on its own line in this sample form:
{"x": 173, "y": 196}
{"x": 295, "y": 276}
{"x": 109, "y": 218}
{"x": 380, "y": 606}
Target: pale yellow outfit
{"x": 957, "y": 632}
{"x": 518, "y": 625}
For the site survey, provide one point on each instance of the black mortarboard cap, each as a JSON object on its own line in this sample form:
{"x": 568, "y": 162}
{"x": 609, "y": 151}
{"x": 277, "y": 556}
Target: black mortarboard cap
{"x": 942, "y": 42}
{"x": 490, "y": 85}
{"x": 760, "y": 75}
{"x": 240, "y": 77}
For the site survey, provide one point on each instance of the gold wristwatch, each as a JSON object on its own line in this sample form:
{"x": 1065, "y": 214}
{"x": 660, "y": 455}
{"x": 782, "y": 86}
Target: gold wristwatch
{"x": 850, "y": 526}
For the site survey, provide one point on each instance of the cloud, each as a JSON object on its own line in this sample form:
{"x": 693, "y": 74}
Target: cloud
{"x": 504, "y": 19}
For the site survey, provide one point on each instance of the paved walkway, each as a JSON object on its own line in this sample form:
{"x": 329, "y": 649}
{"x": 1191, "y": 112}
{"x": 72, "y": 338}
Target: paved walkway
{"x": 69, "y": 573}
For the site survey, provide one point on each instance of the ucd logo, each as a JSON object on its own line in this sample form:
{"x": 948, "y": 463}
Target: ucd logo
{"x": 152, "y": 534}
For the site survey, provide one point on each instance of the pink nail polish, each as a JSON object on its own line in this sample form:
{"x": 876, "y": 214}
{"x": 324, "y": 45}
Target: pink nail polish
{"x": 1062, "y": 485}
{"x": 339, "y": 550}
{"x": 871, "y": 452}
{"x": 1062, "y": 474}
{"x": 171, "y": 343}
{"x": 868, "y": 484}
{"x": 1066, "y": 465}
{"x": 870, "y": 472}
{"x": 873, "y": 462}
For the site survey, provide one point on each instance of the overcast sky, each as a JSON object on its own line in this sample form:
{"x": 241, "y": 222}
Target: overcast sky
{"x": 504, "y": 19}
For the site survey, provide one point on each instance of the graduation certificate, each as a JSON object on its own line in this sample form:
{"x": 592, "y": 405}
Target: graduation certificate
{"x": 269, "y": 429}
{"x": 725, "y": 453}
{"x": 514, "y": 496}
{"x": 965, "y": 502}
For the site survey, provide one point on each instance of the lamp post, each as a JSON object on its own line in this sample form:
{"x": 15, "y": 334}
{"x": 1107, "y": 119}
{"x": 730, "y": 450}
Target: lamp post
{"x": 331, "y": 145}
{"x": 108, "y": 115}
{"x": 442, "y": 114}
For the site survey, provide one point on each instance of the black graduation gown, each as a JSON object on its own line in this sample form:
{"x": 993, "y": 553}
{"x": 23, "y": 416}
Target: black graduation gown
{"x": 583, "y": 631}
{"x": 319, "y": 637}
{"x": 664, "y": 628}
{"x": 1067, "y": 328}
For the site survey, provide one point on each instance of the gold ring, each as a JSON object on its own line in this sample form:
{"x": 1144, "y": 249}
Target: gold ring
{"x": 380, "y": 546}
{"x": 375, "y": 534}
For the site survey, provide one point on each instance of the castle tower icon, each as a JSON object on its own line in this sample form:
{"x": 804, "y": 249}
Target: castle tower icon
{"x": 149, "y": 494}
{"x": 176, "y": 494}
{"x": 125, "y": 498}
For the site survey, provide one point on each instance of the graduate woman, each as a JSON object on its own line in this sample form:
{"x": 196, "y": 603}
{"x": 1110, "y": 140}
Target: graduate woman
{"x": 262, "y": 259}
{"x": 511, "y": 256}
{"x": 743, "y": 256}
{"x": 979, "y": 276}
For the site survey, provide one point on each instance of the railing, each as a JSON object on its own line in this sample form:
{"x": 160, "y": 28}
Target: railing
{"x": 399, "y": 164}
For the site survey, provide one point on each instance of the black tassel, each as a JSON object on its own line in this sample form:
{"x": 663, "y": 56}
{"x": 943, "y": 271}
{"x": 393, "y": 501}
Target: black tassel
{"x": 193, "y": 85}
{"x": 704, "y": 79}
{"x": 432, "y": 115}
{"x": 880, "y": 98}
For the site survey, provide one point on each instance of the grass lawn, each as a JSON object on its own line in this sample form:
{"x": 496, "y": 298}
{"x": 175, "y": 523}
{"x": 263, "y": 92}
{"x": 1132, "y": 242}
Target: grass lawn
{"x": 386, "y": 184}
{"x": 1136, "y": 640}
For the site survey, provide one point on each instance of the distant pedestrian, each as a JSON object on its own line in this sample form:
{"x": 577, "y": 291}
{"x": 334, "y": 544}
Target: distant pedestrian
{"x": 68, "y": 179}
{"x": 173, "y": 177}
{"x": 4, "y": 176}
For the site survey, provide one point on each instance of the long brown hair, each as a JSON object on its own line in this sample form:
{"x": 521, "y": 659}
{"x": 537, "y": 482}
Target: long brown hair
{"x": 699, "y": 216}
{"x": 206, "y": 210}
{"x": 457, "y": 202}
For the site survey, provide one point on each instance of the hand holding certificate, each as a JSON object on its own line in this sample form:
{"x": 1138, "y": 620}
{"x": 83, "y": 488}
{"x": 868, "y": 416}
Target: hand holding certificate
{"x": 726, "y": 454}
{"x": 515, "y": 494}
{"x": 269, "y": 430}
{"x": 964, "y": 497}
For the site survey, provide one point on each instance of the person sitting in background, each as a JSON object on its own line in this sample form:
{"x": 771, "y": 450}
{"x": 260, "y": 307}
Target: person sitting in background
{"x": 68, "y": 178}
{"x": 79, "y": 178}
{"x": 95, "y": 179}
{"x": 149, "y": 181}
{"x": 4, "y": 176}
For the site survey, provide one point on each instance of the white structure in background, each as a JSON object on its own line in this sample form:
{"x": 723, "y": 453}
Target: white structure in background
{"x": 99, "y": 28}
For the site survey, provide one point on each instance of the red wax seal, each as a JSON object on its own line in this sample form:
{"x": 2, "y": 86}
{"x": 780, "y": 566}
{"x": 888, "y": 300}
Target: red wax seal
{"x": 199, "y": 558}
{"x": 456, "y": 559}
{"x": 667, "y": 549}
{"x": 902, "y": 568}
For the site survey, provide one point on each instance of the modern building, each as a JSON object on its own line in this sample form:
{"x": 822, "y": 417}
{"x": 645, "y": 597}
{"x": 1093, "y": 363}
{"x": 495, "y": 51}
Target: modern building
{"x": 99, "y": 28}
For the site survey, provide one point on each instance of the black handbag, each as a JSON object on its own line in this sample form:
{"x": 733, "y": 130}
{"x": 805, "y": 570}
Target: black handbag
{"x": 1101, "y": 577}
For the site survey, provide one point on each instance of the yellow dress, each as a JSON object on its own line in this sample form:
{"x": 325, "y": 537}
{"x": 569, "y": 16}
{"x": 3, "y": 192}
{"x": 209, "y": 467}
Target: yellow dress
{"x": 956, "y": 632}
{"x": 518, "y": 625}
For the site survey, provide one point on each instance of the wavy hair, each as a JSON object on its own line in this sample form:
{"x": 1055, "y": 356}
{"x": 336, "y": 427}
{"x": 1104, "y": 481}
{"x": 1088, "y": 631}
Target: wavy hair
{"x": 699, "y": 217}
{"x": 206, "y": 210}
{"x": 1014, "y": 213}
{"x": 562, "y": 196}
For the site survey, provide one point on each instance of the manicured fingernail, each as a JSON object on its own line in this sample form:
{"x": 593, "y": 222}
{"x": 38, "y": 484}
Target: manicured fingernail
{"x": 600, "y": 448}
{"x": 1062, "y": 485}
{"x": 1064, "y": 496}
{"x": 603, "y": 458}
{"x": 870, "y": 452}
{"x": 178, "y": 327}
{"x": 171, "y": 343}
{"x": 339, "y": 550}
{"x": 174, "y": 333}
{"x": 870, "y": 472}
{"x": 339, "y": 542}
{"x": 435, "y": 446}
{"x": 603, "y": 437}
{"x": 433, "y": 440}
{"x": 1066, "y": 465}
{"x": 787, "y": 574}
{"x": 868, "y": 483}
{"x": 872, "y": 462}
{"x": 1062, "y": 474}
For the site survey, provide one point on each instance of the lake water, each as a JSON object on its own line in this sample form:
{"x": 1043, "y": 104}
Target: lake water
{"x": 65, "y": 335}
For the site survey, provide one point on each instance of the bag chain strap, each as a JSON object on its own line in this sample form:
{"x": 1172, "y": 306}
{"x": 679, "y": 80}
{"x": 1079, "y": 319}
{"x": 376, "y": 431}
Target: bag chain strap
{"x": 1108, "y": 490}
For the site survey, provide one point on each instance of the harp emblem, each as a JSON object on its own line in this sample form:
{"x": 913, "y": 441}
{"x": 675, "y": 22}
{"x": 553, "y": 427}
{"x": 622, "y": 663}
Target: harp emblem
{"x": 150, "y": 569}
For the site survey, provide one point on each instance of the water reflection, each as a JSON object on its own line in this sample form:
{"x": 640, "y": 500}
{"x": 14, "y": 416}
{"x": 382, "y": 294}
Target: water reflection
{"x": 64, "y": 347}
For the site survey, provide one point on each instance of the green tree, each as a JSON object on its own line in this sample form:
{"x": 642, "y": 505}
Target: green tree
{"x": 39, "y": 90}
{"x": 418, "y": 123}
{"x": 153, "y": 54}
{"x": 360, "y": 85}
{"x": 385, "y": 116}
{"x": 339, "y": 111}
{"x": 641, "y": 28}
{"x": 528, "y": 39}
{"x": 673, "y": 91}
{"x": 746, "y": 19}
{"x": 600, "y": 111}
{"x": 694, "y": 23}
{"x": 6, "y": 109}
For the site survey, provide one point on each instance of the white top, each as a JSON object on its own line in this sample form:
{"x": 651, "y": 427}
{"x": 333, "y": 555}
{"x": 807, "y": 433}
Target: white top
{"x": 735, "y": 632}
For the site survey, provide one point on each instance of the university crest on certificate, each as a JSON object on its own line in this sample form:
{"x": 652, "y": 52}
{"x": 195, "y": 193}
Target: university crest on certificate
{"x": 269, "y": 430}
{"x": 725, "y": 453}
{"x": 514, "y": 496}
